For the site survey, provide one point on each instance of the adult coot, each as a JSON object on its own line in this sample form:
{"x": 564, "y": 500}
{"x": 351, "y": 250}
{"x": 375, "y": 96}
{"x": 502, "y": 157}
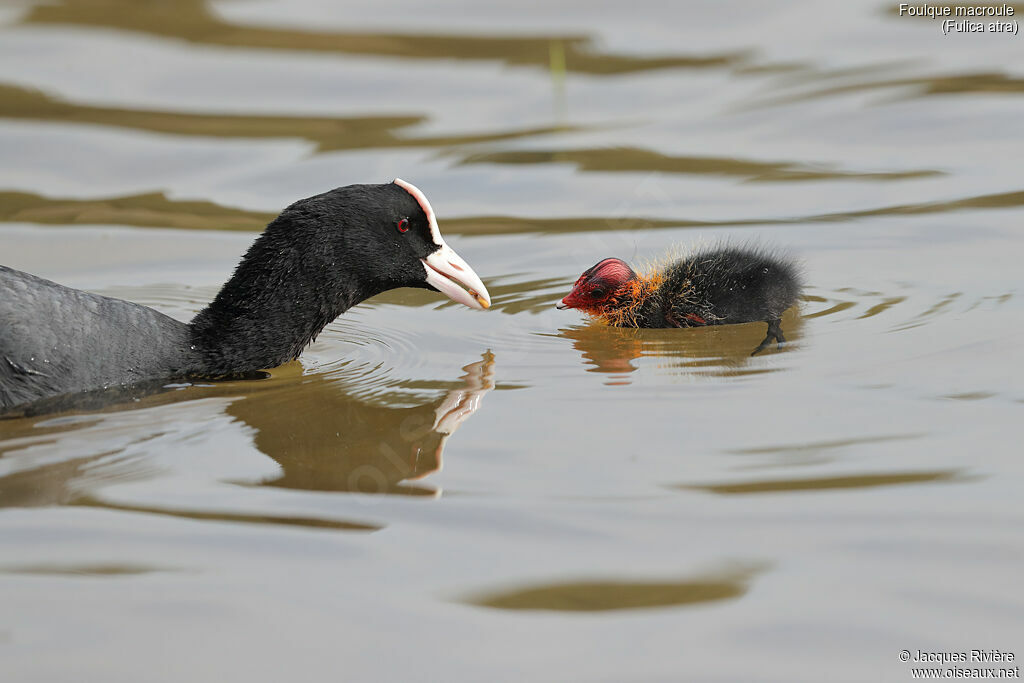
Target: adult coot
{"x": 713, "y": 286}
{"x": 321, "y": 256}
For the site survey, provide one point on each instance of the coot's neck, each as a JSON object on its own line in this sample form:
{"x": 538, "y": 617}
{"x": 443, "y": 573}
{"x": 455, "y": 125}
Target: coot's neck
{"x": 635, "y": 303}
{"x": 277, "y": 301}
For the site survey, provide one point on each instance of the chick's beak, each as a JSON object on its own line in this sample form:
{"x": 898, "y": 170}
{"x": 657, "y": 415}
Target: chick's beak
{"x": 568, "y": 301}
{"x": 449, "y": 274}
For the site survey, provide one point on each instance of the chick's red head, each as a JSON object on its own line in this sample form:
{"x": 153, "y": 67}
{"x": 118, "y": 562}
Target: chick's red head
{"x": 595, "y": 289}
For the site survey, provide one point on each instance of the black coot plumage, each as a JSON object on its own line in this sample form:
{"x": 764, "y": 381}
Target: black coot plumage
{"x": 321, "y": 256}
{"x": 713, "y": 286}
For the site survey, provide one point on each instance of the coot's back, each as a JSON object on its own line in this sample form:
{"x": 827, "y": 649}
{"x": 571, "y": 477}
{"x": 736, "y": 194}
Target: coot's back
{"x": 54, "y": 339}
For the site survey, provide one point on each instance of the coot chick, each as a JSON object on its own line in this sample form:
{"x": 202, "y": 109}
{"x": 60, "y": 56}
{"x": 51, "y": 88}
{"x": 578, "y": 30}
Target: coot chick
{"x": 320, "y": 257}
{"x": 713, "y": 286}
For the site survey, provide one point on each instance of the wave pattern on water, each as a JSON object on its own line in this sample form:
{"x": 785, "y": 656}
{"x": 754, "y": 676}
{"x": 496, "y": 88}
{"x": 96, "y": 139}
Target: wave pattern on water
{"x": 192, "y": 20}
{"x": 632, "y": 160}
{"x": 156, "y": 210}
{"x": 328, "y": 134}
{"x": 614, "y": 595}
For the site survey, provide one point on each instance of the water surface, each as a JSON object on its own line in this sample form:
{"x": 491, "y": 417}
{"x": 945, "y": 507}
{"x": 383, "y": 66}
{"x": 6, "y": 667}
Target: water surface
{"x": 433, "y": 493}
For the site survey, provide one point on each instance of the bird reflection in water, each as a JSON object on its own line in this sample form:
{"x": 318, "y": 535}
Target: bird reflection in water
{"x": 722, "y": 350}
{"x": 320, "y": 431}
{"x": 327, "y": 440}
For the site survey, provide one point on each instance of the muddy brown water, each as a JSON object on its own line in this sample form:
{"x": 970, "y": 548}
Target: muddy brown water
{"x": 434, "y": 493}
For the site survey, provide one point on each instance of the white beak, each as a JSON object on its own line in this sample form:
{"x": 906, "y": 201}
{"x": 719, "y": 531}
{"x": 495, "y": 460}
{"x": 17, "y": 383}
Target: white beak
{"x": 446, "y": 271}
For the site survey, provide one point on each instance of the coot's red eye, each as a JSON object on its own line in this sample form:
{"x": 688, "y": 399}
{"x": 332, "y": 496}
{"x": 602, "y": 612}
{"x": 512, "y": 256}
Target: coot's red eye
{"x": 403, "y": 225}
